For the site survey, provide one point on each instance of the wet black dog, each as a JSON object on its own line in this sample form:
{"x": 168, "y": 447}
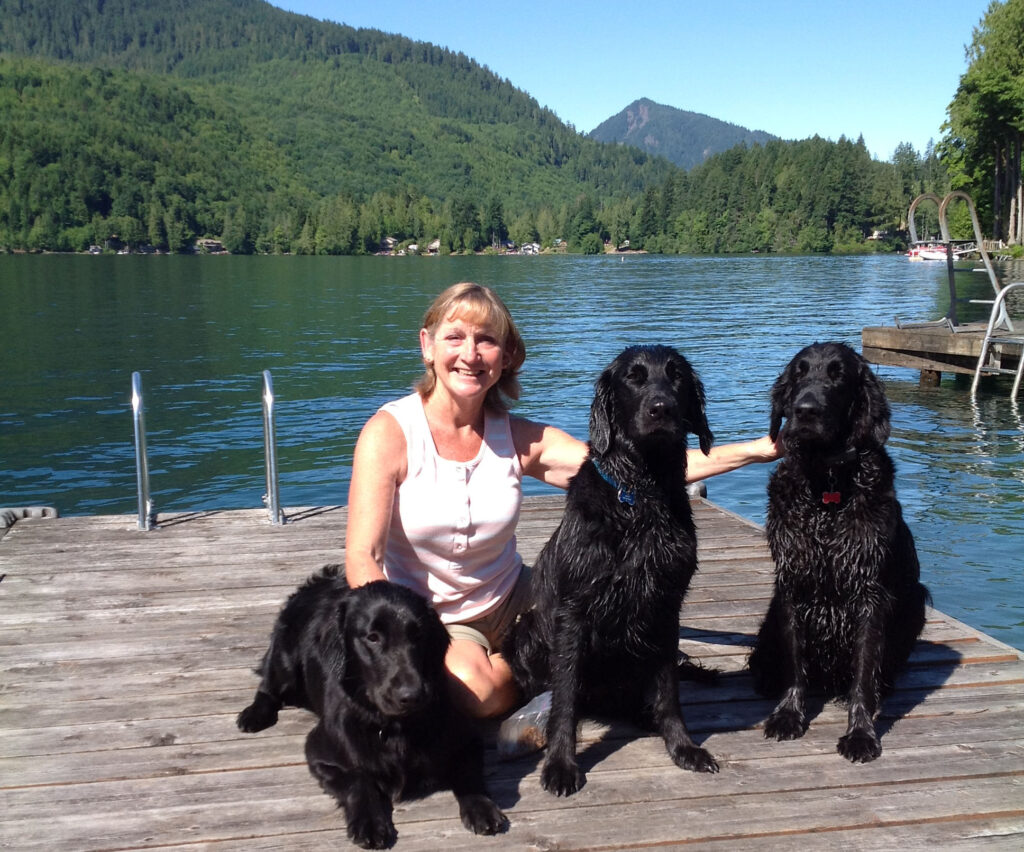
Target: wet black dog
{"x": 370, "y": 663}
{"x": 848, "y": 605}
{"x": 604, "y": 630}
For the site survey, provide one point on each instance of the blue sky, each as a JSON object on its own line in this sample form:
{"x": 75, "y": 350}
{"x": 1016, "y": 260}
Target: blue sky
{"x": 886, "y": 70}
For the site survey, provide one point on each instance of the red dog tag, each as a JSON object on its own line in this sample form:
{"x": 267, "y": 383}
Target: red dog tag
{"x": 830, "y": 497}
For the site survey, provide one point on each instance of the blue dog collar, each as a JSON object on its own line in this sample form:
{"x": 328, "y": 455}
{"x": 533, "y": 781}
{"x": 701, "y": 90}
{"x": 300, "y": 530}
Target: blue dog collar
{"x": 627, "y": 497}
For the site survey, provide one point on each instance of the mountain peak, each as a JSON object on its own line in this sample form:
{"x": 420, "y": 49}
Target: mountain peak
{"x": 686, "y": 138}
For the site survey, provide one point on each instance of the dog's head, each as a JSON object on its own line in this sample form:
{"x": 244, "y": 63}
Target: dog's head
{"x": 394, "y": 648}
{"x": 648, "y": 394}
{"x": 829, "y": 396}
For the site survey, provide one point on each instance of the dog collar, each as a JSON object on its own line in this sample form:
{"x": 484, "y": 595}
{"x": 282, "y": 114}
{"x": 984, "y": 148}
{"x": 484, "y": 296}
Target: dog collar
{"x": 627, "y": 497}
{"x": 832, "y": 496}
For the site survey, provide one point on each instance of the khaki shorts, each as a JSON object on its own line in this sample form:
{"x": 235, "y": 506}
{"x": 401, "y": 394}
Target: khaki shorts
{"x": 490, "y": 630}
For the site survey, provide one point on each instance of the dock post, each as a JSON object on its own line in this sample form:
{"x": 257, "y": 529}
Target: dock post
{"x": 147, "y": 516}
{"x": 271, "y": 499}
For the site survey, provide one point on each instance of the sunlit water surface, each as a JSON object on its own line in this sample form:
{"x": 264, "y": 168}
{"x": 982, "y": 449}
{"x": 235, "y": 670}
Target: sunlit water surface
{"x": 340, "y": 337}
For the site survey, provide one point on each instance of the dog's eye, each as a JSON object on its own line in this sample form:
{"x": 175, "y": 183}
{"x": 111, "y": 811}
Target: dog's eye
{"x": 637, "y": 374}
{"x": 802, "y": 367}
{"x": 373, "y": 637}
{"x": 835, "y": 369}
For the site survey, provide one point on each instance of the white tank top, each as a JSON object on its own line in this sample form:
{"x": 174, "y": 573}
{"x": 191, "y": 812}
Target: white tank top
{"x": 452, "y": 535}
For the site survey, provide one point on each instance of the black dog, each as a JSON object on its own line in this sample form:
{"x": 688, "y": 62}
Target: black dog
{"x": 848, "y": 605}
{"x": 370, "y": 663}
{"x": 608, "y": 586}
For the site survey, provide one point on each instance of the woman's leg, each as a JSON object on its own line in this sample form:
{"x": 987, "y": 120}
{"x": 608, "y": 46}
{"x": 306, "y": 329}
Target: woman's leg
{"x": 483, "y": 682}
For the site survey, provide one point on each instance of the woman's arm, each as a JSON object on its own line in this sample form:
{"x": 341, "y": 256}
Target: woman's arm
{"x": 729, "y": 457}
{"x": 378, "y": 466}
{"x": 554, "y": 457}
{"x": 547, "y": 453}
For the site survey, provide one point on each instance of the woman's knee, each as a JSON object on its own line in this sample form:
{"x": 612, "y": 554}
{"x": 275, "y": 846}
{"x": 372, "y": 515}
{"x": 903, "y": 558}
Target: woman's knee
{"x": 483, "y": 683}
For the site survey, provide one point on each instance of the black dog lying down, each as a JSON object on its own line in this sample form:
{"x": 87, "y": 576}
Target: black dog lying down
{"x": 848, "y": 605}
{"x": 370, "y": 663}
{"x": 607, "y": 587}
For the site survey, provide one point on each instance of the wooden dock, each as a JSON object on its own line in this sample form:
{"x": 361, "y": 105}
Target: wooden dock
{"x": 125, "y": 656}
{"x": 932, "y": 349}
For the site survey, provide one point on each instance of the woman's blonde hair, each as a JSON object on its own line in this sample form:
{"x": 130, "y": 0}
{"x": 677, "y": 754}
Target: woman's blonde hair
{"x": 482, "y": 306}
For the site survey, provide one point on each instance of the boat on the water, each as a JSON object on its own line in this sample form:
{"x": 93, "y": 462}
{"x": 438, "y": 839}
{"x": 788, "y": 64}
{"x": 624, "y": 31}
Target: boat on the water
{"x": 927, "y": 251}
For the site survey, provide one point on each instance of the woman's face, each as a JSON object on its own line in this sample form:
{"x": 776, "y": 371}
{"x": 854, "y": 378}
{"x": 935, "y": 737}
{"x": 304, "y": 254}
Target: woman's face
{"x": 468, "y": 357}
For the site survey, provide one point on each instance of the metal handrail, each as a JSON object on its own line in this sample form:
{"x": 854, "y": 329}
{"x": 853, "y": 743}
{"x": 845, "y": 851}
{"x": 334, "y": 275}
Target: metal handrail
{"x": 995, "y": 319}
{"x": 943, "y": 205}
{"x": 271, "y": 499}
{"x": 147, "y": 514}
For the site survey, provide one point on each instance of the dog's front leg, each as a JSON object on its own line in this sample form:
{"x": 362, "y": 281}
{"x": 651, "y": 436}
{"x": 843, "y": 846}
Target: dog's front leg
{"x": 788, "y": 720}
{"x": 366, "y": 805}
{"x": 668, "y": 716}
{"x": 860, "y": 743}
{"x": 561, "y": 774}
{"x": 260, "y": 714}
{"x": 477, "y": 810}
{"x": 276, "y": 681}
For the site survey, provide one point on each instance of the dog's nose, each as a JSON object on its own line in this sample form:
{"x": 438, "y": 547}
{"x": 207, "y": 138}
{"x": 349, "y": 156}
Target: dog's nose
{"x": 806, "y": 406}
{"x": 657, "y": 409}
{"x": 407, "y": 696}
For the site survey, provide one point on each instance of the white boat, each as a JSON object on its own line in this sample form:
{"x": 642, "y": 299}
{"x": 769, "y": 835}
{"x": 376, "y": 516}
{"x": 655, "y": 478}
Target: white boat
{"x": 927, "y": 251}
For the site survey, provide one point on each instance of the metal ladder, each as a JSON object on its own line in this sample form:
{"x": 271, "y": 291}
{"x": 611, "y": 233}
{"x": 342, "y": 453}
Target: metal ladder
{"x": 1000, "y": 331}
{"x": 147, "y": 510}
{"x": 950, "y": 319}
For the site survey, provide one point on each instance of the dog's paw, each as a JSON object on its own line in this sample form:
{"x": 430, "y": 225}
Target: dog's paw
{"x": 561, "y": 777}
{"x": 372, "y": 830}
{"x": 859, "y": 746}
{"x": 695, "y": 759}
{"x": 481, "y": 816}
{"x": 697, "y": 672}
{"x": 258, "y": 716}
{"x": 785, "y": 725}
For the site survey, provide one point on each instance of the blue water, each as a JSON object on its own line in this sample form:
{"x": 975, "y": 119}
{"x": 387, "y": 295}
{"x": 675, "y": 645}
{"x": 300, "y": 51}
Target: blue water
{"x": 340, "y": 337}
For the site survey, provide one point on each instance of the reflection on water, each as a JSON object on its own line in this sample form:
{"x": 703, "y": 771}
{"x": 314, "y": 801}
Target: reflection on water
{"x": 961, "y": 479}
{"x": 339, "y": 335}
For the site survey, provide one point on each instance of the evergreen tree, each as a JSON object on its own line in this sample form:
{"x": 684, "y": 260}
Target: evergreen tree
{"x": 986, "y": 118}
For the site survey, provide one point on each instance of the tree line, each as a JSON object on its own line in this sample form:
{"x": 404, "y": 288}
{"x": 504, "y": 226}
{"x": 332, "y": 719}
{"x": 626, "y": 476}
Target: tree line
{"x": 157, "y": 123}
{"x": 94, "y": 154}
{"x": 982, "y": 148}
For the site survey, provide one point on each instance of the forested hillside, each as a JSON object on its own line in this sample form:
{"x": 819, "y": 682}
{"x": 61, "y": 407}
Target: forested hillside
{"x": 686, "y": 138}
{"x": 161, "y": 121}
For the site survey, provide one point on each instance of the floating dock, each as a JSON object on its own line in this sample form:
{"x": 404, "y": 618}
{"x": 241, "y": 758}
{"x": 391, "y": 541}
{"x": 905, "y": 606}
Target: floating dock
{"x": 126, "y": 655}
{"x": 946, "y": 346}
{"x": 932, "y": 349}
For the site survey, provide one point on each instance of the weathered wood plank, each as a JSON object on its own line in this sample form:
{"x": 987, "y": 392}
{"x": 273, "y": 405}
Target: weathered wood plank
{"x": 124, "y": 657}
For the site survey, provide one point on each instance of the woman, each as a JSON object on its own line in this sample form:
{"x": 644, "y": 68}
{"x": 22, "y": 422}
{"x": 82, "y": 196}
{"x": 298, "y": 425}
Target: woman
{"x": 436, "y": 486}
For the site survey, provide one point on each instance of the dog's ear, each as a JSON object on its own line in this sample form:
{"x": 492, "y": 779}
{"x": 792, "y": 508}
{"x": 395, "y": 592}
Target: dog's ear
{"x": 602, "y": 415}
{"x": 871, "y": 409}
{"x": 332, "y": 640}
{"x": 697, "y": 408}
{"x": 781, "y": 391}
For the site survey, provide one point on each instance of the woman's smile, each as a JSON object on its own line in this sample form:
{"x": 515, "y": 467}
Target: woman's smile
{"x": 467, "y": 358}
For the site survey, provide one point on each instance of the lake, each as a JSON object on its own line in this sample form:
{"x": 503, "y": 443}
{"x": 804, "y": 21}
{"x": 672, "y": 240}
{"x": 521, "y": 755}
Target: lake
{"x": 340, "y": 337}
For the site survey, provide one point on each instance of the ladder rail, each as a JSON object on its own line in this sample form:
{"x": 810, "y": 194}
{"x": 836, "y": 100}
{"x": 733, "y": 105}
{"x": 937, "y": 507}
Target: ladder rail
{"x": 147, "y": 513}
{"x": 997, "y": 317}
{"x": 272, "y": 498}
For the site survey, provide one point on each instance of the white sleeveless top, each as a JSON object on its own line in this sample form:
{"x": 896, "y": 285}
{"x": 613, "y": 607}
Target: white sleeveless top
{"x": 452, "y": 534}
